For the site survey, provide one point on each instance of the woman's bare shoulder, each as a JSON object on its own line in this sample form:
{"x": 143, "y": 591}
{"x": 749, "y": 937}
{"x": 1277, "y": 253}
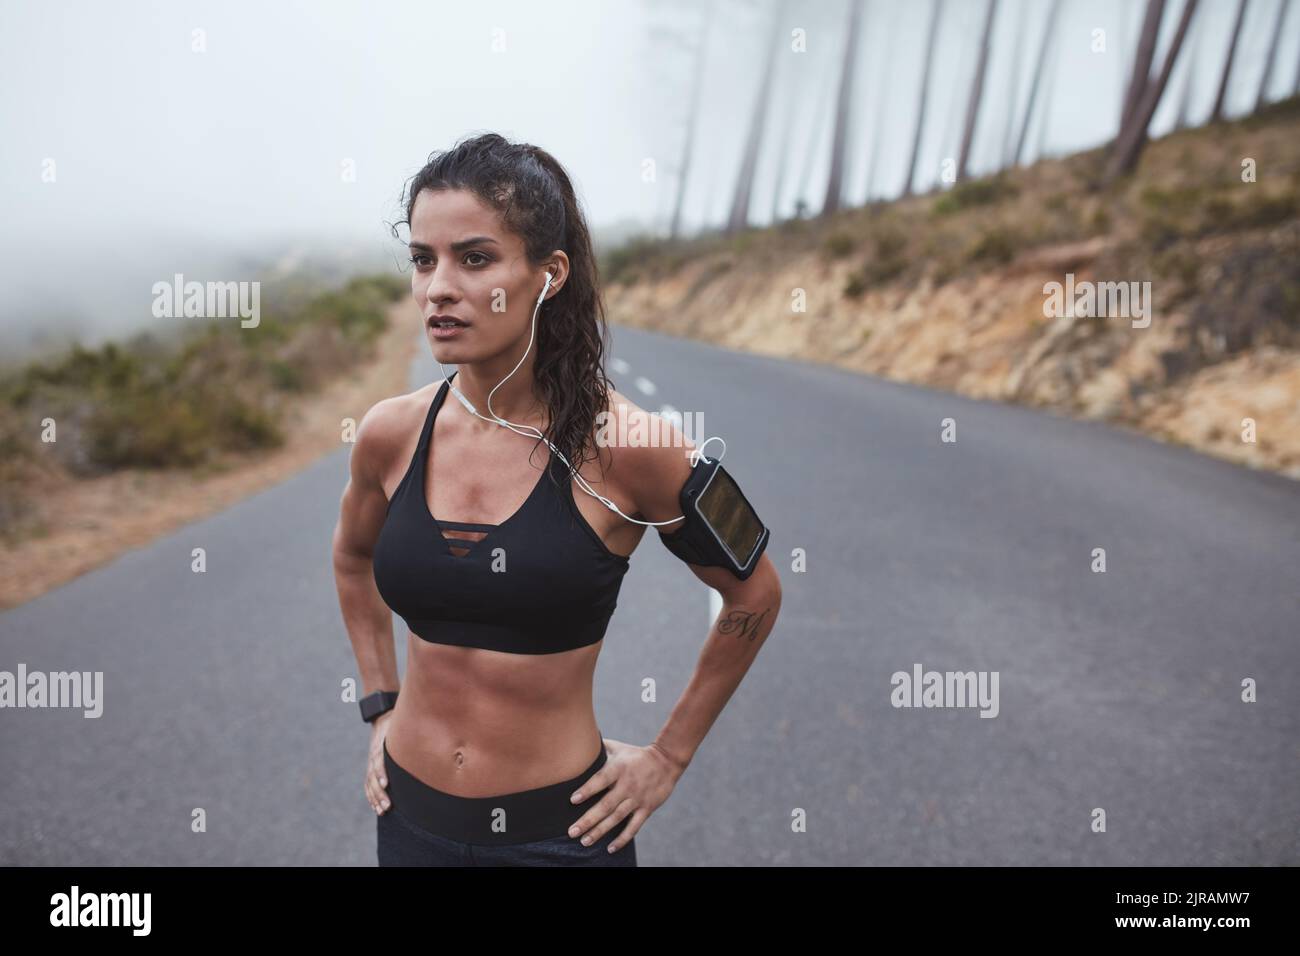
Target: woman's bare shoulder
{"x": 387, "y": 427}
{"x": 632, "y": 419}
{"x": 648, "y": 450}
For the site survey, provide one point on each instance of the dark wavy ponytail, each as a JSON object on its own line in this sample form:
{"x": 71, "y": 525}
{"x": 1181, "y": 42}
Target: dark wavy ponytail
{"x": 536, "y": 200}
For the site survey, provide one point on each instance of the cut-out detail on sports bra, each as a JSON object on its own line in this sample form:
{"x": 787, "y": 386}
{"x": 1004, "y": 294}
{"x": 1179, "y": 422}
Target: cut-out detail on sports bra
{"x": 473, "y": 533}
{"x": 540, "y": 582}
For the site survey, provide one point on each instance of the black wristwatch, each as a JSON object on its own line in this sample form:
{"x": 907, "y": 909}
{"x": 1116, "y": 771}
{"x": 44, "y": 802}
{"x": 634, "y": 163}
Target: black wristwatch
{"x": 380, "y": 702}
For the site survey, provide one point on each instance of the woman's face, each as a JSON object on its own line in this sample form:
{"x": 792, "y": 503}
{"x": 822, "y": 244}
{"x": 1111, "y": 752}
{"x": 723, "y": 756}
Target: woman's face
{"x": 466, "y": 265}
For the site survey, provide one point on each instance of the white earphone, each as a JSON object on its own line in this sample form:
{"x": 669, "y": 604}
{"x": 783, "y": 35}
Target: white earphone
{"x": 496, "y": 420}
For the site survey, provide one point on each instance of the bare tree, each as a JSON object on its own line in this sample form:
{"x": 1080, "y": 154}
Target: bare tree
{"x": 739, "y": 217}
{"x": 697, "y": 94}
{"x": 835, "y": 184}
{"x": 976, "y": 92}
{"x": 1046, "y": 112}
{"x": 1189, "y": 74}
{"x": 1146, "y": 50}
{"x": 1128, "y": 145}
{"x": 783, "y": 152}
{"x": 883, "y": 73}
{"x": 1295, "y": 84}
{"x": 1126, "y": 64}
{"x": 935, "y": 12}
{"x": 1272, "y": 54}
{"x": 822, "y": 106}
{"x": 960, "y": 21}
{"x": 1217, "y": 113}
{"x": 1013, "y": 74}
{"x": 1049, "y": 31}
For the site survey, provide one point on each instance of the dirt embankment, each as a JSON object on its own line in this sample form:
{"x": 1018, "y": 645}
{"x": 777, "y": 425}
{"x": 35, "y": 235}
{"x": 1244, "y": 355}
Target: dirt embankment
{"x": 87, "y": 522}
{"x": 949, "y": 291}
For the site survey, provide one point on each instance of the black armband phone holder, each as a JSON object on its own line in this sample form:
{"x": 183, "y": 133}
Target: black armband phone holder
{"x": 721, "y": 528}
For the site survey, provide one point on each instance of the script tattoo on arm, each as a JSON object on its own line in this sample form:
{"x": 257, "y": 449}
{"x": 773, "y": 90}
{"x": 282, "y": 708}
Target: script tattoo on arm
{"x": 743, "y": 623}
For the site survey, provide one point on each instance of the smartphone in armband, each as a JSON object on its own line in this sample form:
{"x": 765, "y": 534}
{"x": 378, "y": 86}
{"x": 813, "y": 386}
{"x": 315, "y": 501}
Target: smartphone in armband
{"x": 721, "y": 528}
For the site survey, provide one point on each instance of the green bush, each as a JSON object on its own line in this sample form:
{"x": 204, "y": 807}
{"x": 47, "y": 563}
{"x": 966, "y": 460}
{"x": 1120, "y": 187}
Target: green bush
{"x": 743, "y": 242}
{"x": 973, "y": 193}
{"x": 140, "y": 430}
{"x": 839, "y": 244}
{"x": 617, "y": 264}
{"x": 1260, "y": 210}
{"x": 882, "y": 269}
{"x": 996, "y": 245}
{"x": 1193, "y": 211}
{"x": 888, "y": 261}
{"x": 151, "y": 405}
{"x": 285, "y": 376}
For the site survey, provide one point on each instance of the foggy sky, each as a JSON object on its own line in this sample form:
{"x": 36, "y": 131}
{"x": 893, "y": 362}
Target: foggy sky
{"x": 168, "y": 159}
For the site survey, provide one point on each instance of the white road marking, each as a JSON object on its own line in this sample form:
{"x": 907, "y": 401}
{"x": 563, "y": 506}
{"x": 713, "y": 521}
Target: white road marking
{"x": 667, "y": 411}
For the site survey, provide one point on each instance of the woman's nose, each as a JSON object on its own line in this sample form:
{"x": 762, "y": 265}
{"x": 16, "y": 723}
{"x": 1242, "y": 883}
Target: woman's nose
{"x": 439, "y": 288}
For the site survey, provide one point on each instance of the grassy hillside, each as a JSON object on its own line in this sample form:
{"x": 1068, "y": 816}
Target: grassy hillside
{"x": 180, "y": 400}
{"x": 947, "y": 289}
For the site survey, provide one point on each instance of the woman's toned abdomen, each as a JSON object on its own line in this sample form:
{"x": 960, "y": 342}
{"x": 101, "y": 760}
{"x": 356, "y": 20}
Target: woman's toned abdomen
{"x": 476, "y": 723}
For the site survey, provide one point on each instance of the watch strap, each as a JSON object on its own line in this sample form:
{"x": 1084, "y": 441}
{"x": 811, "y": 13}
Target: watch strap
{"x": 380, "y": 702}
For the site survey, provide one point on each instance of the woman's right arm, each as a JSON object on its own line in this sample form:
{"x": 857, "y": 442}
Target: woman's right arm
{"x": 368, "y": 620}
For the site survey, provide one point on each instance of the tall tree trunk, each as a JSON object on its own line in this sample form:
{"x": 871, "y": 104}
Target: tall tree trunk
{"x": 787, "y": 142}
{"x": 822, "y": 105}
{"x": 843, "y": 103}
{"x": 1146, "y": 51}
{"x": 1049, "y": 31}
{"x": 1189, "y": 74}
{"x": 1126, "y": 63}
{"x": 884, "y": 72}
{"x": 739, "y": 217}
{"x": 976, "y": 92}
{"x": 697, "y": 94}
{"x": 932, "y": 34}
{"x": 1272, "y": 54}
{"x": 1295, "y": 84}
{"x": 1040, "y": 148}
{"x": 1217, "y": 113}
{"x": 711, "y": 189}
{"x": 950, "y": 130}
{"x": 1013, "y": 75}
{"x": 1128, "y": 146}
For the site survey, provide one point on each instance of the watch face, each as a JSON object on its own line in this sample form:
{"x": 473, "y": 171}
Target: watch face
{"x": 377, "y": 703}
{"x": 732, "y": 519}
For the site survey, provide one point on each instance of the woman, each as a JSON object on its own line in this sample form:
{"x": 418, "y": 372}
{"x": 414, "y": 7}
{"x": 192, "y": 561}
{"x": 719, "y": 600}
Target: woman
{"x": 492, "y": 753}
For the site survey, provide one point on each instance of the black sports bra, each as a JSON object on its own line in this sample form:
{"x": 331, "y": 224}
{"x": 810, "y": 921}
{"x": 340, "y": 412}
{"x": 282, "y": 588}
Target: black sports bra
{"x": 539, "y": 582}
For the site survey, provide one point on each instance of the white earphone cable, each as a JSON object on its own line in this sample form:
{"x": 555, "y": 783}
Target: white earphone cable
{"x": 696, "y": 453}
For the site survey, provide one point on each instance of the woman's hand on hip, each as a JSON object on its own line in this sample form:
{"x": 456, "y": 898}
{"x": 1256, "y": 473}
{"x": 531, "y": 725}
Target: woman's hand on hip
{"x": 376, "y": 777}
{"x": 639, "y": 779}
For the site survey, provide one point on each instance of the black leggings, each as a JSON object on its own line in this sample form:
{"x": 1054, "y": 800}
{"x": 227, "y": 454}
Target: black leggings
{"x": 428, "y": 827}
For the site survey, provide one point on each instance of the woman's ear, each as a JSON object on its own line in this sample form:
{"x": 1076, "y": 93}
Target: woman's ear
{"x": 558, "y": 267}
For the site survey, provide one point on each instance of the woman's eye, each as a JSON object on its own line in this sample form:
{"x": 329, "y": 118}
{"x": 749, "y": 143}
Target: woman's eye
{"x": 420, "y": 260}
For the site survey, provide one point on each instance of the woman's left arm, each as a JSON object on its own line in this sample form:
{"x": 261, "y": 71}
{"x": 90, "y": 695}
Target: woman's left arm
{"x": 642, "y": 778}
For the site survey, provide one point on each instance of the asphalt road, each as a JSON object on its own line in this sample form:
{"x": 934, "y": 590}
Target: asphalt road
{"x": 1119, "y": 691}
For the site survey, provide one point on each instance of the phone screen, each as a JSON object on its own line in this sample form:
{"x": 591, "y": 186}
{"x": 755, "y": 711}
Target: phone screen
{"x": 730, "y": 516}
